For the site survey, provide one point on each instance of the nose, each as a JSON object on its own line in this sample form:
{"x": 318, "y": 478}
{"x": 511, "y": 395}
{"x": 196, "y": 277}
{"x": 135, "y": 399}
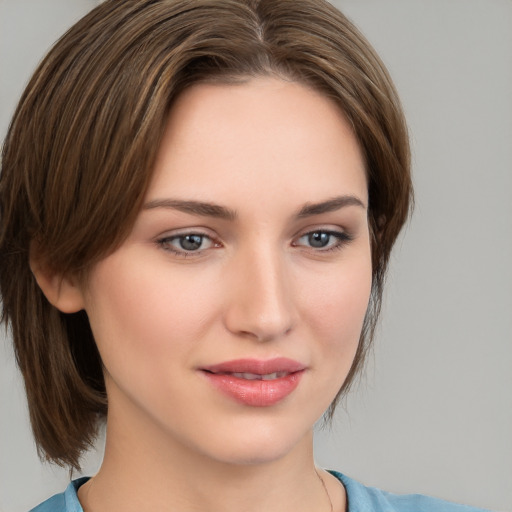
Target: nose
{"x": 261, "y": 305}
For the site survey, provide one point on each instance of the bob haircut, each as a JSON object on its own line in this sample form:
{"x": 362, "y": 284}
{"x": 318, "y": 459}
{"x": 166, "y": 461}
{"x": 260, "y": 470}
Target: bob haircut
{"x": 80, "y": 150}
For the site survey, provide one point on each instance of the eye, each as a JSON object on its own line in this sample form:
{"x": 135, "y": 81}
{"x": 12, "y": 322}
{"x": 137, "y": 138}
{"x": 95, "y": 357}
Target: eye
{"x": 186, "y": 243}
{"x": 323, "y": 240}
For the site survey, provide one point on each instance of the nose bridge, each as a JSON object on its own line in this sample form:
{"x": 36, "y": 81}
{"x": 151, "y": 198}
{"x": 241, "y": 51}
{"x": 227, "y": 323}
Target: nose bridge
{"x": 261, "y": 304}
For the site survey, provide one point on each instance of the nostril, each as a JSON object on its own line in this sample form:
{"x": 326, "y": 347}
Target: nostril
{"x": 260, "y": 306}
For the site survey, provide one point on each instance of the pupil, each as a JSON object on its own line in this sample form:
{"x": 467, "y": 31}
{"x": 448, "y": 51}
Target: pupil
{"x": 319, "y": 239}
{"x": 191, "y": 242}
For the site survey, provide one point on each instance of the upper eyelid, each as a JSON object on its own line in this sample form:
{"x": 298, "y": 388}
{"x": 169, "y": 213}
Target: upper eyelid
{"x": 175, "y": 236}
{"x": 342, "y": 237}
{"x": 206, "y": 232}
{"x": 165, "y": 243}
{"x": 339, "y": 234}
{"x": 329, "y": 228}
{"x": 333, "y": 232}
{"x": 175, "y": 233}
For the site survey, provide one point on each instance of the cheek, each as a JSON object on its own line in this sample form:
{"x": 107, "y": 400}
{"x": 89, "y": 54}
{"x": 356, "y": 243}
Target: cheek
{"x": 148, "y": 314}
{"x": 333, "y": 310}
{"x": 336, "y": 305}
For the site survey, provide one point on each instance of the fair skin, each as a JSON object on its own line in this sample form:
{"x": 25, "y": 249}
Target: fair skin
{"x": 253, "y": 244}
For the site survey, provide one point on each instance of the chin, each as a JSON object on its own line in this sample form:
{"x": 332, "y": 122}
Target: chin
{"x": 254, "y": 455}
{"x": 258, "y": 443}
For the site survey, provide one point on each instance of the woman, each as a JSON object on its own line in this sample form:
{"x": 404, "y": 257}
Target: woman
{"x": 198, "y": 204}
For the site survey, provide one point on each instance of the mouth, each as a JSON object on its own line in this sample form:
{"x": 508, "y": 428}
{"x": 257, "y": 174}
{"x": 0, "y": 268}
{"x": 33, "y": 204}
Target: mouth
{"x": 256, "y": 376}
{"x": 256, "y": 383}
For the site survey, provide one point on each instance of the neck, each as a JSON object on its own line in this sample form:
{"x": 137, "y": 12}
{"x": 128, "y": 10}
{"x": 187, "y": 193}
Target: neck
{"x": 146, "y": 468}
{"x": 130, "y": 481}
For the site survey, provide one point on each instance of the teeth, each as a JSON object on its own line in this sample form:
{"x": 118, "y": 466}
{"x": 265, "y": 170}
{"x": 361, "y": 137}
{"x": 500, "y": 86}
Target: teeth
{"x": 256, "y": 376}
{"x": 247, "y": 376}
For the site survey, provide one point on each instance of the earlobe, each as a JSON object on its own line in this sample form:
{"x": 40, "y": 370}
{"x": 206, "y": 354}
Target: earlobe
{"x": 61, "y": 291}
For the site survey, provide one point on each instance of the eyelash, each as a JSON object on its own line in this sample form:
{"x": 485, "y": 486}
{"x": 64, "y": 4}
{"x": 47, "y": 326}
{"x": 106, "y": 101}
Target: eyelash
{"x": 165, "y": 244}
{"x": 342, "y": 239}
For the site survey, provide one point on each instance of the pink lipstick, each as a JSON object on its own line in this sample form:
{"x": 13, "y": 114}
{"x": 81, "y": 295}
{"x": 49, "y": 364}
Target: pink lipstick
{"x": 253, "y": 382}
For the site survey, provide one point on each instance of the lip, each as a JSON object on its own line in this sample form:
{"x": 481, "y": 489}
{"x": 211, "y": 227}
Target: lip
{"x": 226, "y": 377}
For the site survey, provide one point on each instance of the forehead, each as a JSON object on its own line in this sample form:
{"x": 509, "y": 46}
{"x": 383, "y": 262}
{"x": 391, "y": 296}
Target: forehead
{"x": 257, "y": 138}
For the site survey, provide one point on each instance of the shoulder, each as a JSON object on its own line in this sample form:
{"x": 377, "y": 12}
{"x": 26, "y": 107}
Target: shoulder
{"x": 369, "y": 499}
{"x": 63, "y": 502}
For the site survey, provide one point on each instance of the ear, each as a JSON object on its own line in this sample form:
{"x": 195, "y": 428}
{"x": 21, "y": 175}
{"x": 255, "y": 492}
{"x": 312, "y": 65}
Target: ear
{"x": 381, "y": 222}
{"x": 61, "y": 291}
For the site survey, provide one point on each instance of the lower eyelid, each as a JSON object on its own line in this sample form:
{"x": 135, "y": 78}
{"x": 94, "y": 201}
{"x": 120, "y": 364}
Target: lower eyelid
{"x": 340, "y": 236}
{"x": 166, "y": 243}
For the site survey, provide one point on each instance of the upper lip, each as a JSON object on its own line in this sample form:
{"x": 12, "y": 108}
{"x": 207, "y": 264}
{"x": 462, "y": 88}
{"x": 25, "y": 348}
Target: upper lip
{"x": 256, "y": 366}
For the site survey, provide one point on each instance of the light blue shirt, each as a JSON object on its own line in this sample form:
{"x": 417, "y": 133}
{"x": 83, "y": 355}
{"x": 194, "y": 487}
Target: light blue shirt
{"x": 360, "y": 499}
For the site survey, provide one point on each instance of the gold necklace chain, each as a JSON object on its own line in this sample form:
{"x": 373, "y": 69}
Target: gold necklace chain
{"x": 85, "y": 498}
{"x": 325, "y": 489}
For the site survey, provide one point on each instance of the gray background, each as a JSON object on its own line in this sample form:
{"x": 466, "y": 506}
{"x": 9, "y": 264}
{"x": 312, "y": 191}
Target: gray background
{"x": 434, "y": 411}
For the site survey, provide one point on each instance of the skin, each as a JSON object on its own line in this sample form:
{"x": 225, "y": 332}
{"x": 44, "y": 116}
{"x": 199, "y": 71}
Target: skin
{"x": 256, "y": 288}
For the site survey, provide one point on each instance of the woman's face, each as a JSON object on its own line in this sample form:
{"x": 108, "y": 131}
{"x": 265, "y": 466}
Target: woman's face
{"x": 229, "y": 318}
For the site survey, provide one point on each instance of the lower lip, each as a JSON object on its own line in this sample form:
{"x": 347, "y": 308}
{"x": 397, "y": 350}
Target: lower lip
{"x": 256, "y": 393}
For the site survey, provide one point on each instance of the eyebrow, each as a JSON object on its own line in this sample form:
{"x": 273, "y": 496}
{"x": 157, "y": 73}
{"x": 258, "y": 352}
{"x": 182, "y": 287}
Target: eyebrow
{"x": 331, "y": 205}
{"x": 194, "y": 208}
{"x": 221, "y": 212}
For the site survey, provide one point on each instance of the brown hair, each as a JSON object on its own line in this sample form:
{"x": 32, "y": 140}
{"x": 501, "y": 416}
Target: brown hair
{"x": 80, "y": 150}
